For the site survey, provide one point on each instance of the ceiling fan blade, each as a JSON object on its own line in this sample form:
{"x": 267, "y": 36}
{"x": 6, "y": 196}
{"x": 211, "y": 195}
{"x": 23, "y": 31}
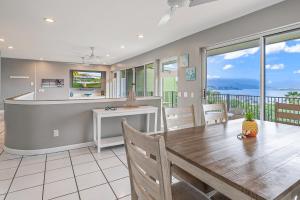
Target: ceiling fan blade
{"x": 167, "y": 17}
{"x": 199, "y": 2}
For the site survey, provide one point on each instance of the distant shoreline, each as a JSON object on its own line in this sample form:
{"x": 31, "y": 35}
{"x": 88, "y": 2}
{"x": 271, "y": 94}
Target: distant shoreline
{"x": 256, "y": 92}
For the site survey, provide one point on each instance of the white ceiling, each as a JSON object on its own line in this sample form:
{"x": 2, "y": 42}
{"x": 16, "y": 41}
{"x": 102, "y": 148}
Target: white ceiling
{"x": 105, "y": 24}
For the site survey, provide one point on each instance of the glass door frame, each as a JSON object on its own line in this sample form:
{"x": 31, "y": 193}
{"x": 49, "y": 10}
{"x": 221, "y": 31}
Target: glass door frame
{"x": 262, "y": 44}
{"x": 166, "y": 74}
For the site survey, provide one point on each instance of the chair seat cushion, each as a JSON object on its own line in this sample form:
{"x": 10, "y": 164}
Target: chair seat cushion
{"x": 183, "y": 191}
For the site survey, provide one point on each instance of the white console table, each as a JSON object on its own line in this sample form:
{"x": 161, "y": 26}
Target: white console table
{"x": 98, "y": 114}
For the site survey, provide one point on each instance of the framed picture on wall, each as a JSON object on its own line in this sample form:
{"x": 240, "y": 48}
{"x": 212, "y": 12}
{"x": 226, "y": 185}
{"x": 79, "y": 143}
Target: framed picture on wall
{"x": 190, "y": 74}
{"x": 184, "y": 60}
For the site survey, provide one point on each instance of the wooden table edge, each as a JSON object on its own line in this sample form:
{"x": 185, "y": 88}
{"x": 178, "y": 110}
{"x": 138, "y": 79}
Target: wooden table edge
{"x": 208, "y": 178}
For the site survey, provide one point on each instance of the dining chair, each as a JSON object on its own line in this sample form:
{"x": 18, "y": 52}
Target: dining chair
{"x": 215, "y": 113}
{"x": 287, "y": 113}
{"x": 178, "y": 118}
{"x": 149, "y": 169}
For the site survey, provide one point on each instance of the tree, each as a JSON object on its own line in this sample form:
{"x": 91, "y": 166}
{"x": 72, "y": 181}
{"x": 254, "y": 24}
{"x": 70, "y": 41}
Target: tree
{"x": 293, "y": 97}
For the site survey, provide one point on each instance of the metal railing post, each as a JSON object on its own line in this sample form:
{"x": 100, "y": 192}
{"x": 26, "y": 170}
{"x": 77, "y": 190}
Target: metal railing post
{"x": 228, "y": 101}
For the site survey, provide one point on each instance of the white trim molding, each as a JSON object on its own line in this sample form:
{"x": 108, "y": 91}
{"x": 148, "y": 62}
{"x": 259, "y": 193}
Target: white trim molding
{"x": 48, "y": 150}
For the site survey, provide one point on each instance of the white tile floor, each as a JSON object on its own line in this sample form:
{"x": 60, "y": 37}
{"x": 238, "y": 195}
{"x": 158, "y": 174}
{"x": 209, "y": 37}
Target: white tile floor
{"x": 79, "y": 174}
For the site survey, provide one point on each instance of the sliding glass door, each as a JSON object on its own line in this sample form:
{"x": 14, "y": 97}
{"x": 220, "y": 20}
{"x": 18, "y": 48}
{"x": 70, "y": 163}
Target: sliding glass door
{"x": 140, "y": 81}
{"x": 253, "y": 76}
{"x": 169, "y": 81}
{"x": 150, "y": 79}
{"x": 233, "y": 77}
{"x": 129, "y": 80}
{"x": 282, "y": 71}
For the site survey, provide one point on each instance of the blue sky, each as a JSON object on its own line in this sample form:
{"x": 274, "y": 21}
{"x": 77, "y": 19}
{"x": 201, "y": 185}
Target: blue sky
{"x": 282, "y": 64}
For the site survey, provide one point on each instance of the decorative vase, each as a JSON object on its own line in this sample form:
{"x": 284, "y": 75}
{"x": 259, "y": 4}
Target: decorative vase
{"x": 250, "y": 128}
{"x": 131, "y": 99}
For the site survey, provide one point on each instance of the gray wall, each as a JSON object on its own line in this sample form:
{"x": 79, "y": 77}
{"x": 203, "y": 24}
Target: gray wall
{"x": 44, "y": 70}
{"x": 275, "y": 16}
{"x": 30, "y": 127}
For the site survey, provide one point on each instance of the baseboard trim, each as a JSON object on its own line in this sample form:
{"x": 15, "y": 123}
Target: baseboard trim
{"x": 48, "y": 150}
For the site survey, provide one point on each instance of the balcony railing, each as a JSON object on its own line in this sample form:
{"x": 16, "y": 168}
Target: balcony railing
{"x": 170, "y": 99}
{"x": 249, "y": 103}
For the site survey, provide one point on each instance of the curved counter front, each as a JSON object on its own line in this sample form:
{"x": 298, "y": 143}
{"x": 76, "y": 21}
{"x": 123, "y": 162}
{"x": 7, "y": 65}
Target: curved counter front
{"x": 36, "y": 127}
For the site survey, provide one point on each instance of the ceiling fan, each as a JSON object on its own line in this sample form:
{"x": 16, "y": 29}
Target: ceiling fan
{"x": 92, "y": 58}
{"x": 175, "y": 4}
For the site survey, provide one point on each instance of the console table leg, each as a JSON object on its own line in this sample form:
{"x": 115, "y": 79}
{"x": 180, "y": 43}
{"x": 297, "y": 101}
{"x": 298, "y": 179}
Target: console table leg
{"x": 155, "y": 122}
{"x": 98, "y": 134}
{"x": 148, "y": 122}
{"x": 94, "y": 127}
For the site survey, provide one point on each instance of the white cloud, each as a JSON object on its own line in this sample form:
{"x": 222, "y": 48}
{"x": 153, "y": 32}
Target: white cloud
{"x": 212, "y": 76}
{"x": 293, "y": 49}
{"x": 228, "y": 66}
{"x": 275, "y": 66}
{"x": 241, "y": 53}
{"x": 282, "y": 46}
{"x": 269, "y": 82}
{"x": 297, "y": 71}
{"x": 275, "y": 48}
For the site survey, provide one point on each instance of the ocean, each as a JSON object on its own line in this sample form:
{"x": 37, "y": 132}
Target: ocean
{"x": 256, "y": 92}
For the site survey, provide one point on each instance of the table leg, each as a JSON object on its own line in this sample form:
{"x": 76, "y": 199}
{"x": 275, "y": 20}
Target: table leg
{"x": 155, "y": 121}
{"x": 98, "y": 134}
{"x": 148, "y": 122}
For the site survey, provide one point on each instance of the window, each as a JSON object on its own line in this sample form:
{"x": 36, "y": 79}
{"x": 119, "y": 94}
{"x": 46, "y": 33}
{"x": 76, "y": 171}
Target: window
{"x": 140, "y": 81}
{"x": 233, "y": 76}
{"x": 282, "y": 70}
{"x": 129, "y": 80}
{"x": 123, "y": 83}
{"x": 150, "y": 79}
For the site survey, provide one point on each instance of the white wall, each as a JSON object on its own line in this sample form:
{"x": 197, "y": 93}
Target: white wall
{"x": 275, "y": 16}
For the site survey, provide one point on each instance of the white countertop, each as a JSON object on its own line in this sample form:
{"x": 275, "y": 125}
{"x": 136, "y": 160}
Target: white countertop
{"x": 92, "y": 99}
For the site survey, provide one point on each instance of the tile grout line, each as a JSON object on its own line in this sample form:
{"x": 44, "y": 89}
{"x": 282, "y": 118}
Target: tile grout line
{"x": 44, "y": 178}
{"x": 74, "y": 175}
{"x": 119, "y": 158}
{"x": 13, "y": 178}
{"x": 103, "y": 174}
{"x": 123, "y": 177}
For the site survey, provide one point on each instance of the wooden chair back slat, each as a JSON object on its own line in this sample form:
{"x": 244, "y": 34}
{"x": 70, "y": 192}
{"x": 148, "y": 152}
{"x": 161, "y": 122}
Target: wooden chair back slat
{"x": 178, "y": 118}
{"x": 215, "y": 113}
{"x": 148, "y": 166}
{"x": 142, "y": 160}
{"x": 287, "y": 113}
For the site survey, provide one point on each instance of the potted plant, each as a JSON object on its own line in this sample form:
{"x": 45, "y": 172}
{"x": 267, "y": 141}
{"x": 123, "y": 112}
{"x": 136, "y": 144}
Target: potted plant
{"x": 250, "y": 128}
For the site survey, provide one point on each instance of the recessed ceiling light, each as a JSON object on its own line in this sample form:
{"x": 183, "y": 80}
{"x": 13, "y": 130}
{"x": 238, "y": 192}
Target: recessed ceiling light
{"x": 140, "y": 36}
{"x": 49, "y": 20}
{"x": 176, "y": 6}
{"x": 107, "y": 55}
{"x": 10, "y": 47}
{"x": 122, "y": 47}
{"x": 41, "y": 59}
{"x": 2, "y": 40}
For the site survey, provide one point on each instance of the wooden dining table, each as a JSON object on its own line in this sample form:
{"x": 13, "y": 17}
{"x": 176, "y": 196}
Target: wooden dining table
{"x": 262, "y": 167}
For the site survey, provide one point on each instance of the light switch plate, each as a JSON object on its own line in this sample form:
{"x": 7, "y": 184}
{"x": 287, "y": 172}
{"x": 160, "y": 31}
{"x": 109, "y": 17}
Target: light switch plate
{"x": 179, "y": 94}
{"x": 192, "y": 95}
{"x": 185, "y": 94}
